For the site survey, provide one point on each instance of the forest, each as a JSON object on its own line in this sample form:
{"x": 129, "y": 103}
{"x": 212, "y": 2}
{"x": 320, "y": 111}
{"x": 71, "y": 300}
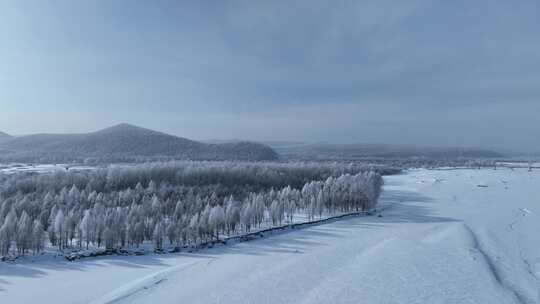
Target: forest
{"x": 179, "y": 204}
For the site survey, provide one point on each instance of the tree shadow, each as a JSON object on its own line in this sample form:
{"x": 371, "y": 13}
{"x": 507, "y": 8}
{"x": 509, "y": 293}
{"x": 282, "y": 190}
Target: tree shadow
{"x": 403, "y": 206}
{"x": 396, "y": 206}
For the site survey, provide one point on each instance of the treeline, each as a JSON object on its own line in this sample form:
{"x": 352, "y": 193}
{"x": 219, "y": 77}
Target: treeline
{"x": 428, "y": 163}
{"x": 179, "y": 203}
{"x": 235, "y": 178}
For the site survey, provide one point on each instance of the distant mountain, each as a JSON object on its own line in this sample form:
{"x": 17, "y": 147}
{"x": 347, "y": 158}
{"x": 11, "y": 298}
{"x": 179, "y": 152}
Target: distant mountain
{"x": 126, "y": 142}
{"x": 5, "y": 136}
{"x": 273, "y": 144}
{"x": 359, "y": 151}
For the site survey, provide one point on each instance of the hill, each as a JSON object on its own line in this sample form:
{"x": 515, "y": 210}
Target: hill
{"x": 126, "y": 142}
{"x": 4, "y": 136}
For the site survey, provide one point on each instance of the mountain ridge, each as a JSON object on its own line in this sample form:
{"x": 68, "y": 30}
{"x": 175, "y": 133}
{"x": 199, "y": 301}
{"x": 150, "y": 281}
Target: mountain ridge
{"x": 124, "y": 142}
{"x": 4, "y": 135}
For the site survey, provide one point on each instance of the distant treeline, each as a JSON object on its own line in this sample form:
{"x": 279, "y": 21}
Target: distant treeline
{"x": 427, "y": 163}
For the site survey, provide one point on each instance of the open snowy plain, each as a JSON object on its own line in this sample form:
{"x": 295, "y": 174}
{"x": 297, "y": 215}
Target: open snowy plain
{"x": 445, "y": 236}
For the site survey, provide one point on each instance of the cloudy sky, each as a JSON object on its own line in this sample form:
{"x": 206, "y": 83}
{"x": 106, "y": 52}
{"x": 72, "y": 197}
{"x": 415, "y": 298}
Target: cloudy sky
{"x": 459, "y": 73}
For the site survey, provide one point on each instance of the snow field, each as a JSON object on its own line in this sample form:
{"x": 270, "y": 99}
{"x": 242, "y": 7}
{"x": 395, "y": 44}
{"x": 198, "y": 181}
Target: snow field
{"x": 441, "y": 239}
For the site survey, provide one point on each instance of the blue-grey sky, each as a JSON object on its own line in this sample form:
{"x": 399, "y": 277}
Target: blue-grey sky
{"x": 460, "y": 72}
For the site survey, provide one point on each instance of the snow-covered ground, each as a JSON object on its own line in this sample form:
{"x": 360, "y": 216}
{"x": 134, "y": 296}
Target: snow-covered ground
{"x": 40, "y": 168}
{"x": 446, "y": 236}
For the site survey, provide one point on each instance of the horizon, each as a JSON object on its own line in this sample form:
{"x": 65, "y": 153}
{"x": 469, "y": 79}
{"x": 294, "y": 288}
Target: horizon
{"x": 369, "y": 72}
{"x": 275, "y": 143}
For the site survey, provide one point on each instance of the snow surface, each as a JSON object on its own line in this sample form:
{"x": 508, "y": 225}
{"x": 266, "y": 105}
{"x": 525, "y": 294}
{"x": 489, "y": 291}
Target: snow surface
{"x": 442, "y": 239}
{"x": 40, "y": 168}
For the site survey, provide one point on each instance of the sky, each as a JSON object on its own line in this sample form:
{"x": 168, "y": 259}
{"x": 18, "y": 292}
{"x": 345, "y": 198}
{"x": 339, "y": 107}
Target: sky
{"x": 452, "y": 73}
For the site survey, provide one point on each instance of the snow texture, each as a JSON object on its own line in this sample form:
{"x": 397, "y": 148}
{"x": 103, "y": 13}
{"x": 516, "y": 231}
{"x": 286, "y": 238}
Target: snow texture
{"x": 441, "y": 239}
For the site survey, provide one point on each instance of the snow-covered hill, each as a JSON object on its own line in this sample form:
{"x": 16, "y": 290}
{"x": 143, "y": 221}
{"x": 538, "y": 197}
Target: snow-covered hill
{"x": 4, "y": 136}
{"x": 441, "y": 239}
{"x": 126, "y": 142}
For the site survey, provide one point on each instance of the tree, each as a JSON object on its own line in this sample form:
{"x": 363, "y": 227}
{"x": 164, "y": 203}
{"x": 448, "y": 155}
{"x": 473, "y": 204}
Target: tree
{"x": 24, "y": 233}
{"x": 159, "y": 235}
{"x": 59, "y": 228}
{"x": 88, "y": 227}
{"x": 8, "y": 232}
{"x": 172, "y": 232}
{"x": 216, "y": 220}
{"x": 38, "y": 237}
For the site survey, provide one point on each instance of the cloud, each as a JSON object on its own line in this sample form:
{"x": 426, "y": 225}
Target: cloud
{"x": 385, "y": 71}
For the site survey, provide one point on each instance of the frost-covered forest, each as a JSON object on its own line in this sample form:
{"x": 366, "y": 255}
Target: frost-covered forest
{"x": 173, "y": 203}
